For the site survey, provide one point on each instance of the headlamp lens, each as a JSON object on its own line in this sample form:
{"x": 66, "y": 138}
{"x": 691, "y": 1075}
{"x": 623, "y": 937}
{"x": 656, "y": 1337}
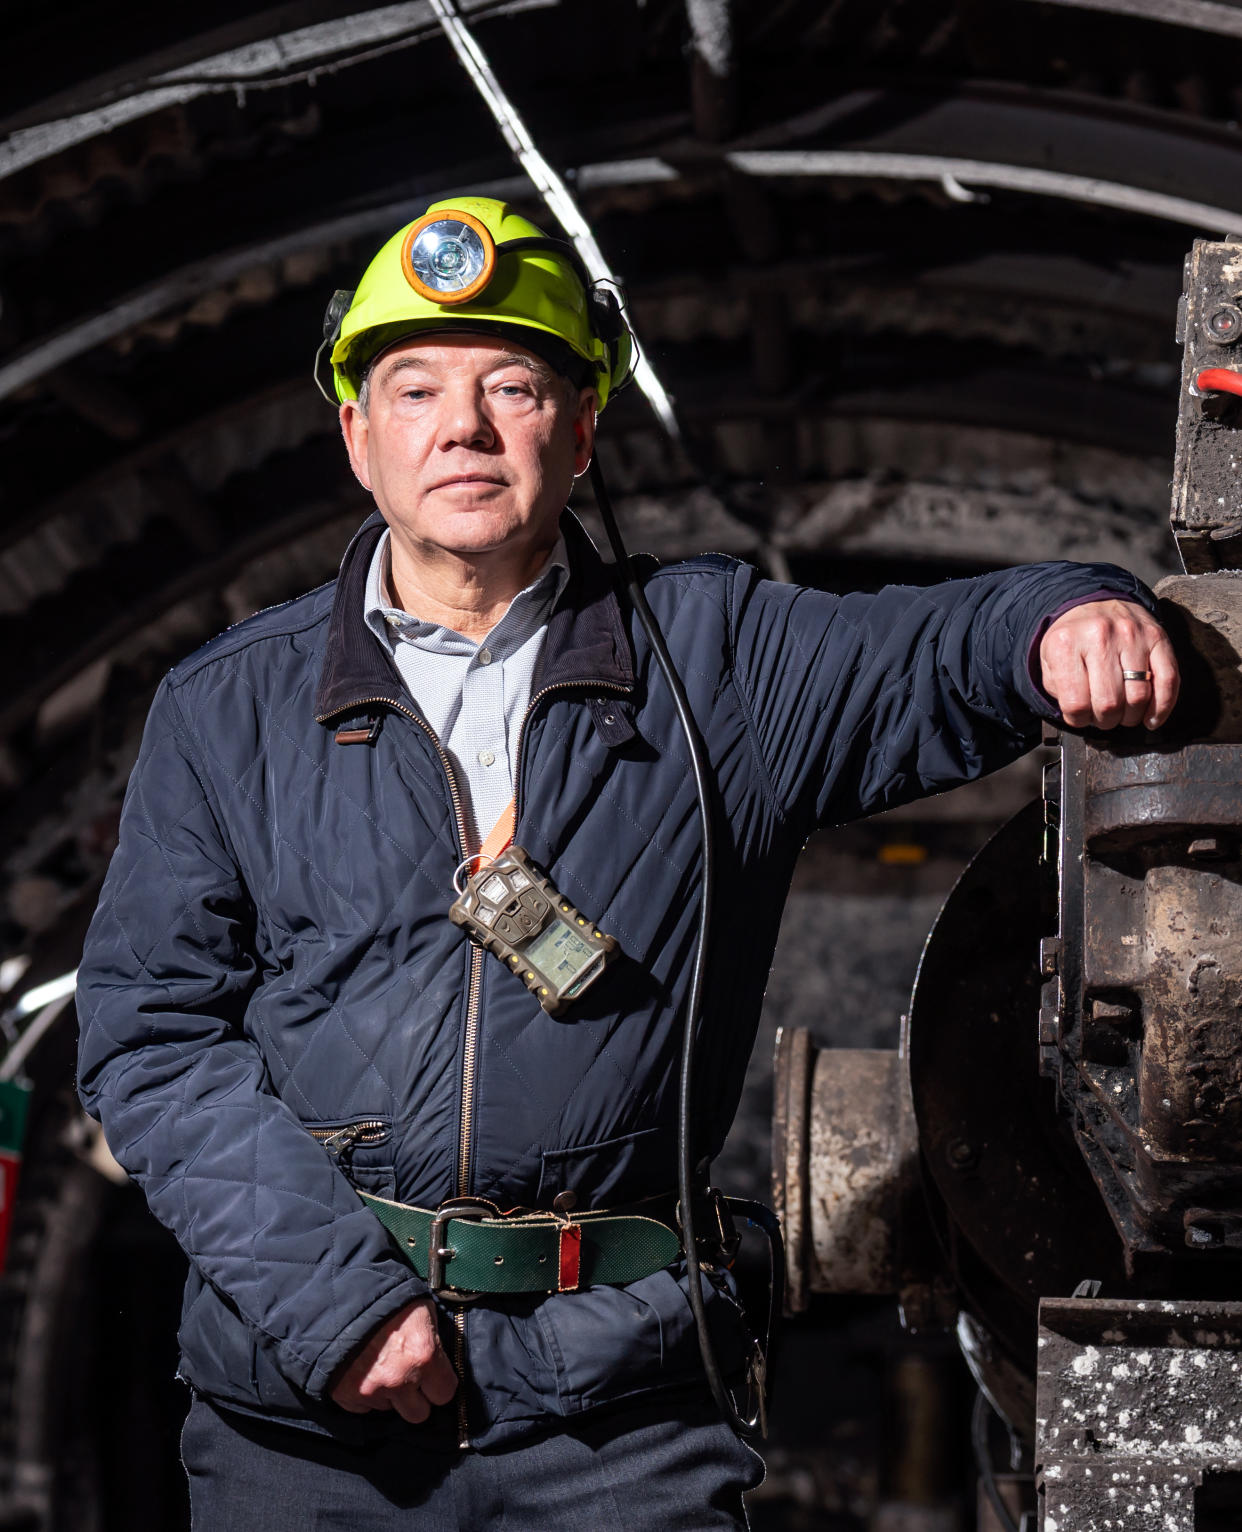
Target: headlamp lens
{"x": 448, "y": 256}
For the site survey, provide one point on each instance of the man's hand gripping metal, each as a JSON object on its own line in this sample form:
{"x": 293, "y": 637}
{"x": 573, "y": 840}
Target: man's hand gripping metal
{"x": 1108, "y": 664}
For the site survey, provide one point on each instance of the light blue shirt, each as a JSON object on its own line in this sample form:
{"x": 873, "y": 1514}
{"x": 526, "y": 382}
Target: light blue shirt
{"x": 474, "y": 696}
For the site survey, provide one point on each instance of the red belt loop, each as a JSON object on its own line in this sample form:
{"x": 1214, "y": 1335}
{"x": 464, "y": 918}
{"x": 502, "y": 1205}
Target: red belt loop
{"x": 570, "y": 1258}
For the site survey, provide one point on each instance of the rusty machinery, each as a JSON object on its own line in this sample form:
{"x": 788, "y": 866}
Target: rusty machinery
{"x": 1052, "y": 1159}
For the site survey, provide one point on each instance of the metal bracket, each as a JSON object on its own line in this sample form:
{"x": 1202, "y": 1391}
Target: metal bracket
{"x": 1207, "y": 490}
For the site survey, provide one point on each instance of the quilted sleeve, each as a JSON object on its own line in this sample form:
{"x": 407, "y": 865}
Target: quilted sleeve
{"x": 862, "y": 702}
{"x": 182, "y": 1092}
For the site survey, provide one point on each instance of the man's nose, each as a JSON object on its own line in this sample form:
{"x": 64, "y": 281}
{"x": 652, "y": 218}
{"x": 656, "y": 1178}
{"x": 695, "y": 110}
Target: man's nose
{"x": 465, "y": 421}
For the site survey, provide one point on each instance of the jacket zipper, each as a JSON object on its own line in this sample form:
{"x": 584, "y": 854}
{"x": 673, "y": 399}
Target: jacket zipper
{"x": 469, "y": 1059}
{"x": 470, "y": 1051}
{"x": 470, "y": 1044}
{"x": 470, "y": 1047}
{"x": 341, "y": 1142}
{"x": 367, "y": 1132}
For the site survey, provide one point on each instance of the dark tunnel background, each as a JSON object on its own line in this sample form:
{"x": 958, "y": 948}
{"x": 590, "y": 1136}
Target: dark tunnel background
{"x": 909, "y": 269}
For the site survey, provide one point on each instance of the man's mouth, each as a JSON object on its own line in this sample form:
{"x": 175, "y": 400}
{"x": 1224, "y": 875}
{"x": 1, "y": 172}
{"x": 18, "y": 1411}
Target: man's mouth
{"x": 469, "y": 481}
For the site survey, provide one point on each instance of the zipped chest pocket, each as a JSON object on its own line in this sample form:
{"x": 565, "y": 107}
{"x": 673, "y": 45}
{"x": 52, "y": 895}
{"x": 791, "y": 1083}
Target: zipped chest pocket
{"x": 361, "y": 1148}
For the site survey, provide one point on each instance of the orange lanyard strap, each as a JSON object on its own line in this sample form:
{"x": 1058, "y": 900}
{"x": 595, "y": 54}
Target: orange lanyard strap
{"x": 499, "y": 838}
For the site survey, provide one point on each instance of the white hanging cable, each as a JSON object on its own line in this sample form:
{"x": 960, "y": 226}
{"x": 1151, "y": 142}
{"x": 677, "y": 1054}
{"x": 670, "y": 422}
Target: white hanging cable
{"x": 43, "y": 994}
{"x": 550, "y": 187}
{"x": 562, "y": 205}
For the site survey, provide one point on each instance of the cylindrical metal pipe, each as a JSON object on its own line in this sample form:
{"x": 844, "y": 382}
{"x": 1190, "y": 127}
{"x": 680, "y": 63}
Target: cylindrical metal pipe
{"x": 842, "y": 1156}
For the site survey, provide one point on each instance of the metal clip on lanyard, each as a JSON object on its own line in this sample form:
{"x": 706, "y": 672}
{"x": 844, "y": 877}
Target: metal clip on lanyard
{"x": 512, "y": 908}
{"x": 499, "y": 839}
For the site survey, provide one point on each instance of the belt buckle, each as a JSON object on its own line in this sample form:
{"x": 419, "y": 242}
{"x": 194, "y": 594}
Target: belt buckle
{"x": 471, "y": 1209}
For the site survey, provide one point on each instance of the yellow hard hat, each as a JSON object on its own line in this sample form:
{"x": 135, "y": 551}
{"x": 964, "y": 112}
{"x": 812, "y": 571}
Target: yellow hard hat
{"x": 471, "y": 263}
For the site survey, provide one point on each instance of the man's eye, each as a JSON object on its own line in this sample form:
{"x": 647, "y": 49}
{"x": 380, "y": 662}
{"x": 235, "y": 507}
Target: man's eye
{"x": 413, "y": 393}
{"x": 512, "y": 390}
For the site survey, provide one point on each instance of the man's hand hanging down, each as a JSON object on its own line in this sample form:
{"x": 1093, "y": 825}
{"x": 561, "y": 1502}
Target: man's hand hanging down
{"x": 1084, "y": 654}
{"x": 402, "y": 1367}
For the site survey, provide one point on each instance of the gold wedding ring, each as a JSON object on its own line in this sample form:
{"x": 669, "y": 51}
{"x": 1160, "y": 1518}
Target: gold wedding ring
{"x": 1137, "y": 675}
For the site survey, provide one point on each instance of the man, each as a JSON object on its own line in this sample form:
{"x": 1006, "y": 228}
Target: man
{"x": 278, "y": 1015}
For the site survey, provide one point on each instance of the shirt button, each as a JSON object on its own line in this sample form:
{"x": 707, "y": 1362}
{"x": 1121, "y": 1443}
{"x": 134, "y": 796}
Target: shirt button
{"x": 485, "y": 656}
{"x": 487, "y": 758}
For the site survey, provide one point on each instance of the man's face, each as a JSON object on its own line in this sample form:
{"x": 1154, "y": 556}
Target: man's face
{"x": 469, "y": 444}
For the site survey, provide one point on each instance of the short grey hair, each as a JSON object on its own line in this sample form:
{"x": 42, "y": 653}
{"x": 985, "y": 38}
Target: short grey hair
{"x": 364, "y": 387}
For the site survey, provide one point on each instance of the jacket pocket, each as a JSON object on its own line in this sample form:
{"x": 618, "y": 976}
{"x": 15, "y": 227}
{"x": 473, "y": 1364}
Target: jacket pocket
{"x": 619, "y": 1169}
{"x": 361, "y": 1147}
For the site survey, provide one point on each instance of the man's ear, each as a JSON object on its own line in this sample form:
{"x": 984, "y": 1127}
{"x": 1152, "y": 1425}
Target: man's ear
{"x": 584, "y": 431}
{"x": 356, "y": 431}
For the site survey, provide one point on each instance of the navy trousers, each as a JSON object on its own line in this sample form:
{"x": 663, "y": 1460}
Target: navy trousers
{"x": 645, "y": 1468}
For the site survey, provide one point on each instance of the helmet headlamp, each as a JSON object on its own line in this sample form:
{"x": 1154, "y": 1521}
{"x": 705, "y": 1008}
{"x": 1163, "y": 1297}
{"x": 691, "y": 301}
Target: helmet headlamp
{"x": 473, "y": 263}
{"x": 448, "y": 260}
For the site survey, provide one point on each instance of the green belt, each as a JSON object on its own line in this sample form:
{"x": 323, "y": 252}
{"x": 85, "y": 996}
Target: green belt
{"x": 468, "y": 1246}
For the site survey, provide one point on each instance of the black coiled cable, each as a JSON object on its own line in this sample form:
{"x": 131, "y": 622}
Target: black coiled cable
{"x": 698, "y": 978}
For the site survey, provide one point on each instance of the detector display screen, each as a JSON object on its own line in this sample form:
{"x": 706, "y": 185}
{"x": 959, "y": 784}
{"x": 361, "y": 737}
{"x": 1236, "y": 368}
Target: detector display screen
{"x": 561, "y": 954}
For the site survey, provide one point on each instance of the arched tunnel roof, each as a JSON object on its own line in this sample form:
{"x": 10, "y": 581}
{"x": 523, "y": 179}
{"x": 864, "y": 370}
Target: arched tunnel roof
{"x": 909, "y": 269}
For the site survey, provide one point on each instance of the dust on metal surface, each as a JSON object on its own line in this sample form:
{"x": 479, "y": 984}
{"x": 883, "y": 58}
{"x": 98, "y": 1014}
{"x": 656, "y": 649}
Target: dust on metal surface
{"x": 1139, "y": 1410}
{"x": 858, "y": 1140}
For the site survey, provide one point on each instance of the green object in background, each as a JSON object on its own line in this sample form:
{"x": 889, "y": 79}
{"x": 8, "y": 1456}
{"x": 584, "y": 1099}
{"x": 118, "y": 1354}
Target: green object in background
{"x": 14, "y": 1101}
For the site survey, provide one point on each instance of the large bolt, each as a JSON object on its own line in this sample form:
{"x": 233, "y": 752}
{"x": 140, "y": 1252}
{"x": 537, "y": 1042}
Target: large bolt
{"x": 1113, "y": 1011}
{"x": 960, "y": 1154}
{"x": 1102, "y": 1042}
{"x": 1212, "y": 848}
{"x": 1224, "y": 325}
{"x": 1104, "y": 1032}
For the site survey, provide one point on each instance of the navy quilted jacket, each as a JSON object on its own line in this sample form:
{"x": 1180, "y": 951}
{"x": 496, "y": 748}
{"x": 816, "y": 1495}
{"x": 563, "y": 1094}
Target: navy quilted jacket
{"x": 272, "y": 953}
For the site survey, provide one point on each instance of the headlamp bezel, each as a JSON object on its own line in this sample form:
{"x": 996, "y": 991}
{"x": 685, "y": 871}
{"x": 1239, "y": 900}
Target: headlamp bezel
{"x": 462, "y": 294}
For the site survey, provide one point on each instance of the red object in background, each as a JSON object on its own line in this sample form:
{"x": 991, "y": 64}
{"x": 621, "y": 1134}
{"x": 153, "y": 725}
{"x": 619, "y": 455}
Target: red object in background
{"x": 10, "y": 1169}
{"x": 14, "y": 1101}
{"x": 1219, "y": 380}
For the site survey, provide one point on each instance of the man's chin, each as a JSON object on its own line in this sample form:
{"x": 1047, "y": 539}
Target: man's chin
{"x": 477, "y": 530}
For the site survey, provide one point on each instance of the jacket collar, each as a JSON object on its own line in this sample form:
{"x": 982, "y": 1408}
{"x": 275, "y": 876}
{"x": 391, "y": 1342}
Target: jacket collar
{"x": 587, "y": 643}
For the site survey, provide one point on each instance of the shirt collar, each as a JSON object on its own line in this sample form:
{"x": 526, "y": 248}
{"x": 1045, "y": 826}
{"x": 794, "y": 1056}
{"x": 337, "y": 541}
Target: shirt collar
{"x": 588, "y": 639}
{"x": 528, "y": 610}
